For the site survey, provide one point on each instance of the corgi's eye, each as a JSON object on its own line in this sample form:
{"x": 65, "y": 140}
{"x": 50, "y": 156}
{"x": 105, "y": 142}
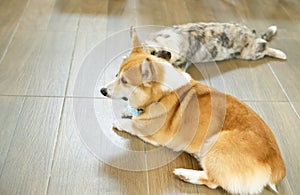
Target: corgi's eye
{"x": 123, "y": 80}
{"x": 117, "y": 74}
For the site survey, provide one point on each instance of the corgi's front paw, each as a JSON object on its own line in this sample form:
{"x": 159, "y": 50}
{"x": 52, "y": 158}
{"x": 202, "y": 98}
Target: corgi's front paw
{"x": 117, "y": 126}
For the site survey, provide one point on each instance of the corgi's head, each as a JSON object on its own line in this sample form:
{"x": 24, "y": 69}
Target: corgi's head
{"x": 143, "y": 78}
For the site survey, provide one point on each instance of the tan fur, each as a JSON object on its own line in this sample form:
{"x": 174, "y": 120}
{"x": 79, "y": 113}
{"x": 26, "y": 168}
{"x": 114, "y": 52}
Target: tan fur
{"x": 243, "y": 157}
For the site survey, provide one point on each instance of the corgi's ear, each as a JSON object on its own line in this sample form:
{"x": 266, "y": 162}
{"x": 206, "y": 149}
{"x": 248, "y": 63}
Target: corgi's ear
{"x": 147, "y": 70}
{"x": 137, "y": 47}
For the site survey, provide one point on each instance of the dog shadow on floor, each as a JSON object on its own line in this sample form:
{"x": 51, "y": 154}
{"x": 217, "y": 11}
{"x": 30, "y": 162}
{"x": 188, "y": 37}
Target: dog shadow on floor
{"x": 203, "y": 72}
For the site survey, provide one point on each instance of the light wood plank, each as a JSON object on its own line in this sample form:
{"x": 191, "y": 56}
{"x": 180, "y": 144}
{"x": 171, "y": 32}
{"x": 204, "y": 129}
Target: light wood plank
{"x": 85, "y": 173}
{"x": 121, "y": 15}
{"x": 284, "y": 123}
{"x": 100, "y": 64}
{"x": 271, "y": 10}
{"x": 28, "y": 163}
{"x": 10, "y": 13}
{"x": 150, "y": 12}
{"x": 279, "y": 13}
{"x": 37, "y": 15}
{"x": 199, "y": 11}
{"x": 37, "y": 63}
{"x": 93, "y": 16}
{"x": 65, "y": 16}
{"x": 297, "y": 107}
{"x": 51, "y": 71}
{"x": 172, "y": 15}
{"x": 75, "y": 169}
{"x": 247, "y": 13}
{"x": 18, "y": 64}
{"x": 208, "y": 11}
{"x": 85, "y": 44}
{"x": 9, "y": 115}
{"x": 291, "y": 8}
{"x": 247, "y": 80}
{"x": 91, "y": 32}
{"x": 288, "y": 72}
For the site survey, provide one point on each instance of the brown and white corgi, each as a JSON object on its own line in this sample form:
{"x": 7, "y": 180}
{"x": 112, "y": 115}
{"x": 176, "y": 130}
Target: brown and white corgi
{"x": 233, "y": 145}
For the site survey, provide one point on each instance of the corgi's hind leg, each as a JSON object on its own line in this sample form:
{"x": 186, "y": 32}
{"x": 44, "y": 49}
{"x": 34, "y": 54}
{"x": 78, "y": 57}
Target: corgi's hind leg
{"x": 195, "y": 177}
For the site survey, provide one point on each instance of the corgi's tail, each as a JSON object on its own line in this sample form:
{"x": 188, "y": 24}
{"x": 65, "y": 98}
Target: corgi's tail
{"x": 269, "y": 33}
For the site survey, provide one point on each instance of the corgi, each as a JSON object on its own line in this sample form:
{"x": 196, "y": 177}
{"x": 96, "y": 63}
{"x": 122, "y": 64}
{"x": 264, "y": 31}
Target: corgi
{"x": 234, "y": 146}
{"x": 192, "y": 43}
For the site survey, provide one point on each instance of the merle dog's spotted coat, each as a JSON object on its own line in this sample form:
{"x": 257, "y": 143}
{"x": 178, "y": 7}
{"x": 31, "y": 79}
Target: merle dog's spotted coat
{"x": 191, "y": 43}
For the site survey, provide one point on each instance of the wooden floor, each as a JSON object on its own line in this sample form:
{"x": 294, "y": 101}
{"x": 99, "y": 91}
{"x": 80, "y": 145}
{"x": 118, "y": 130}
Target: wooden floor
{"x": 44, "y": 42}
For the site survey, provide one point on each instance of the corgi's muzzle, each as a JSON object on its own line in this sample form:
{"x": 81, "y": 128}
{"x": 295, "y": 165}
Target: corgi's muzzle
{"x": 105, "y": 93}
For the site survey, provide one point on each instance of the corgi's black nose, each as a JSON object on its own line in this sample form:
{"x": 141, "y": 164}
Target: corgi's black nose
{"x": 104, "y": 91}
